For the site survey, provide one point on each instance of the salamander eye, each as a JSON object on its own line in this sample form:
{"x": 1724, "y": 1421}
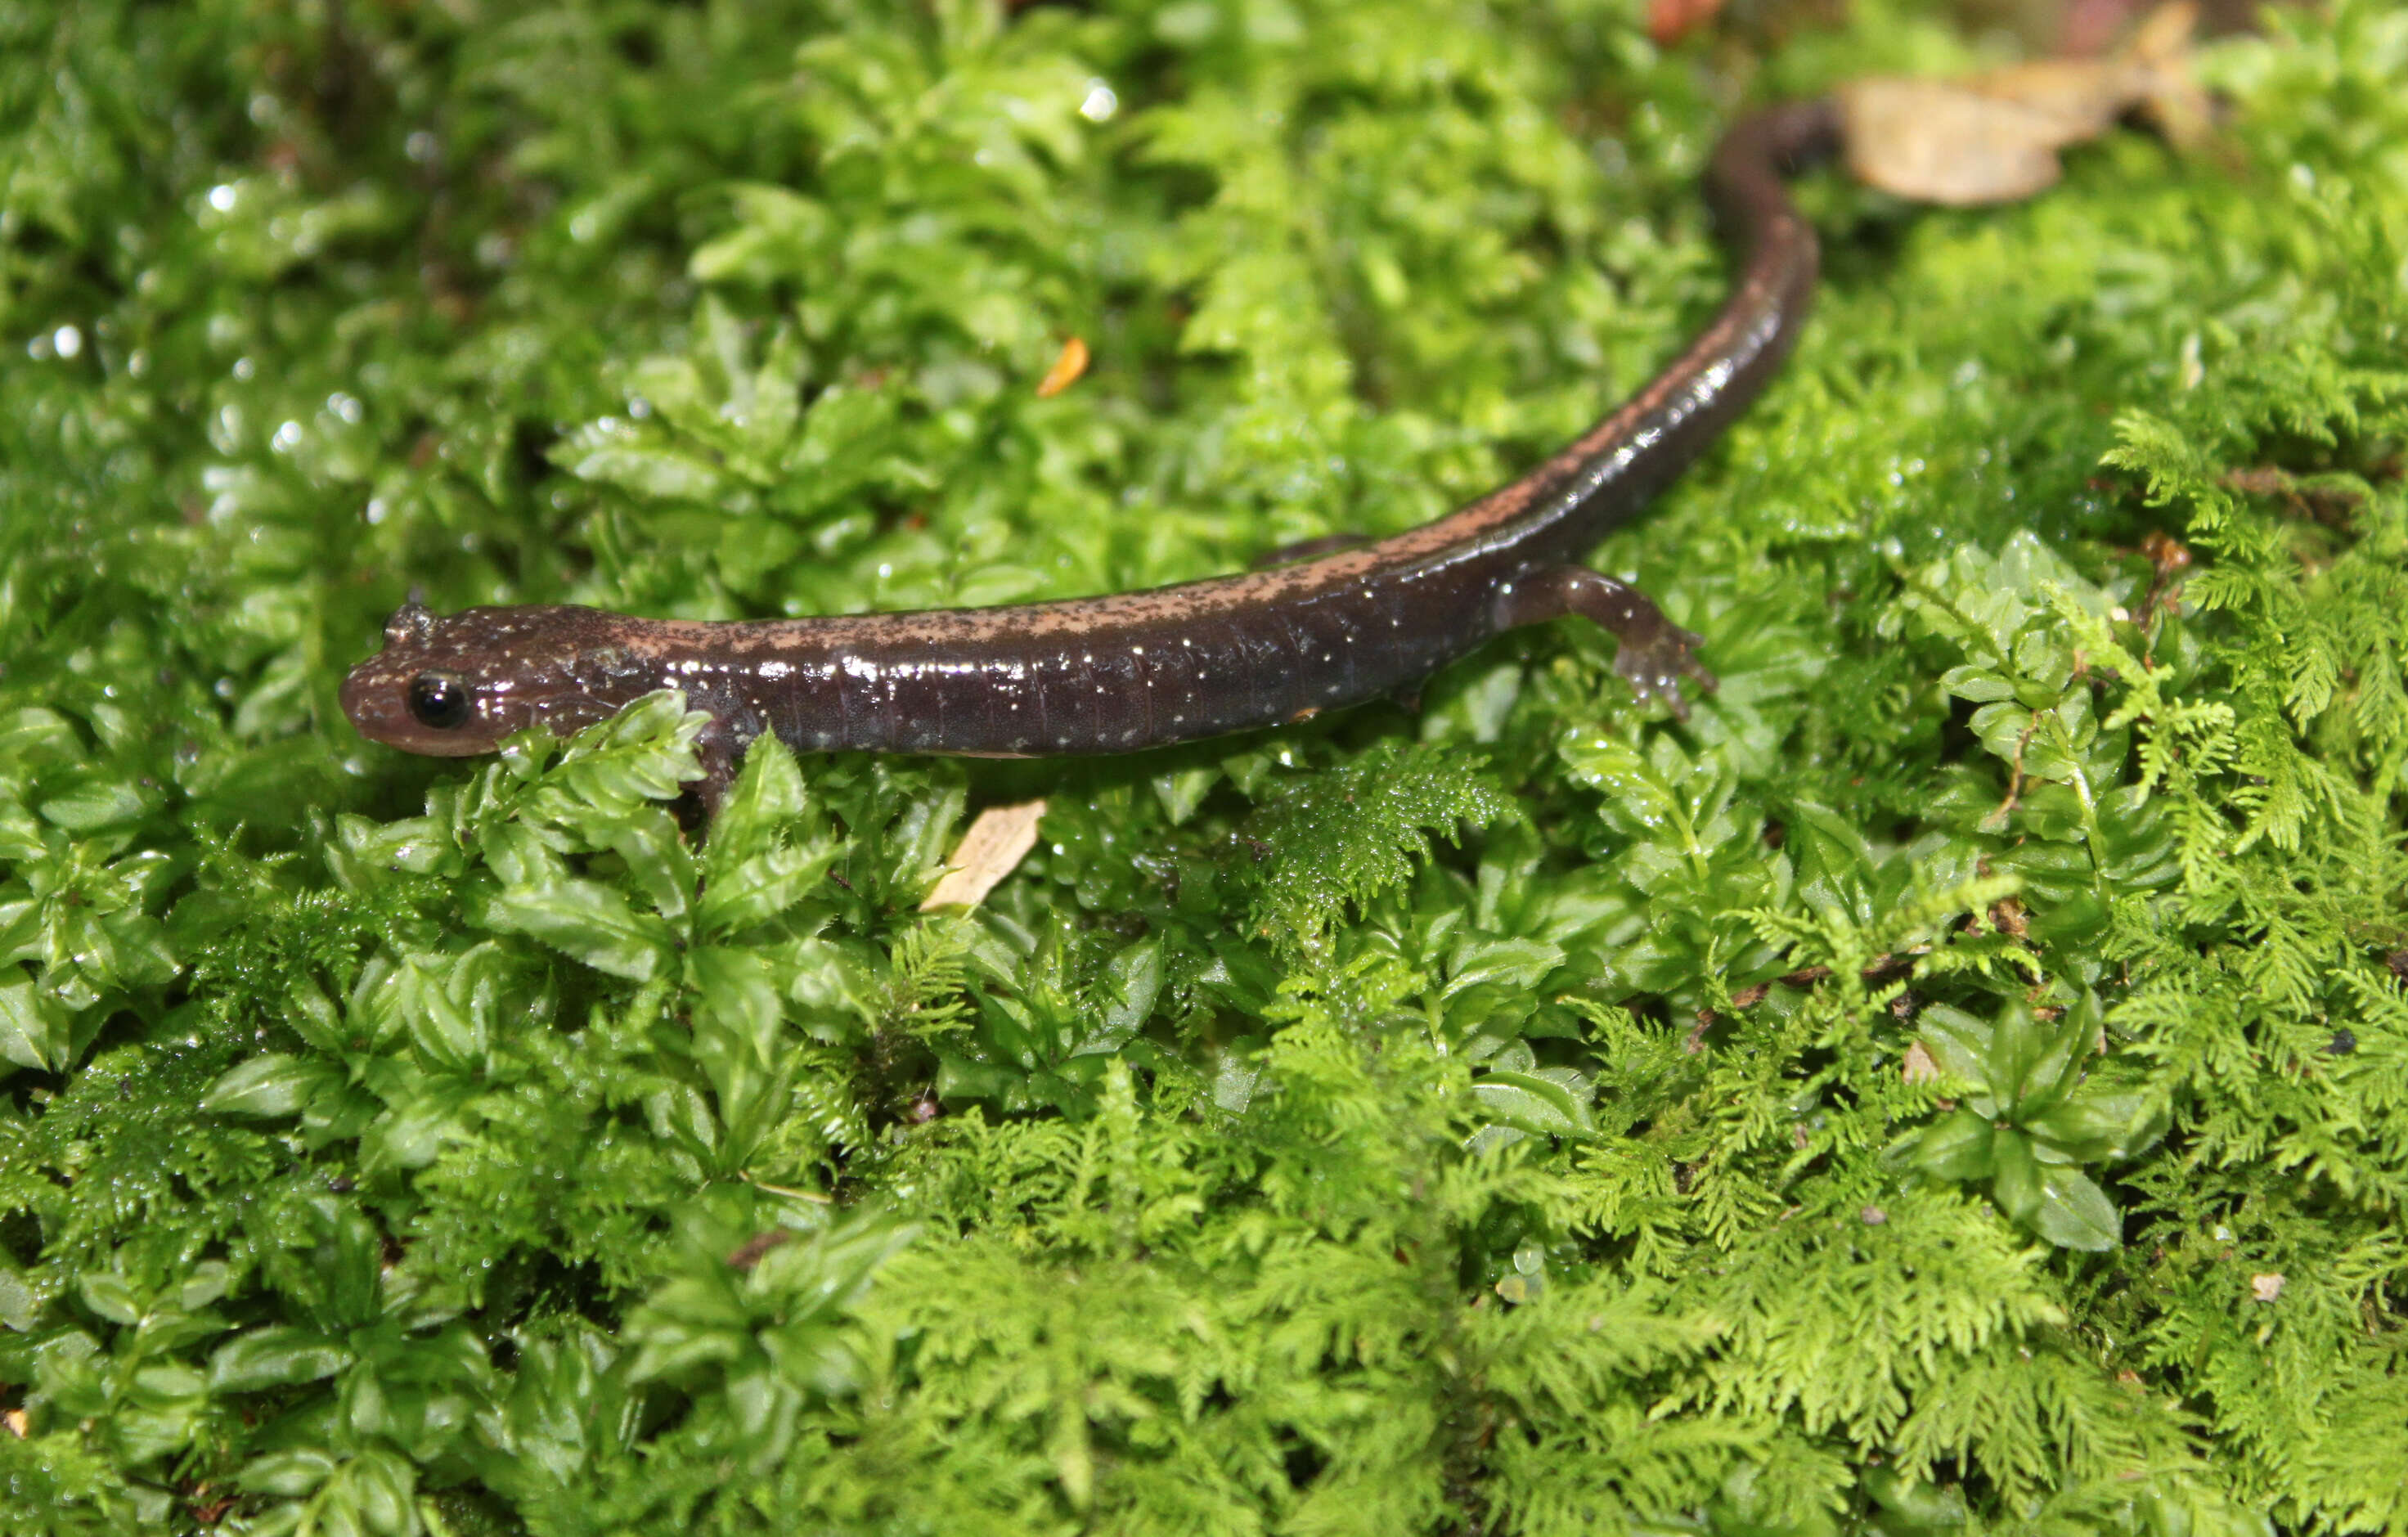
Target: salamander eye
{"x": 438, "y": 700}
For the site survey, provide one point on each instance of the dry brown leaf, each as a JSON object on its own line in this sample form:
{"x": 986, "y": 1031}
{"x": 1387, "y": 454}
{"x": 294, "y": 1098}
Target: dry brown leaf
{"x": 15, "y": 1421}
{"x": 1935, "y": 141}
{"x": 998, "y": 838}
{"x": 1994, "y": 137}
{"x": 1067, "y": 367}
{"x": 2266, "y": 1287}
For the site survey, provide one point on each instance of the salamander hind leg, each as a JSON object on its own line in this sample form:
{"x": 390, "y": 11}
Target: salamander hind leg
{"x": 720, "y": 748}
{"x": 1653, "y": 654}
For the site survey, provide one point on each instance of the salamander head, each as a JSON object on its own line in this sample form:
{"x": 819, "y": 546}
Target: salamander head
{"x": 454, "y": 685}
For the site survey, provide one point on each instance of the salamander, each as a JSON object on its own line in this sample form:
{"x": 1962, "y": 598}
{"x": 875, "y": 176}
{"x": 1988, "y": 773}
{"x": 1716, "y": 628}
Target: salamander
{"x": 1118, "y": 673}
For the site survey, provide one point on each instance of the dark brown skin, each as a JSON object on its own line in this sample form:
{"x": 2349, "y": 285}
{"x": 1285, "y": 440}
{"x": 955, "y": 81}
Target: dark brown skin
{"x": 1140, "y": 669}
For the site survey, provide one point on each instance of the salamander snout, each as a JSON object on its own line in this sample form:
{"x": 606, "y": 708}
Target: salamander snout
{"x": 455, "y": 685}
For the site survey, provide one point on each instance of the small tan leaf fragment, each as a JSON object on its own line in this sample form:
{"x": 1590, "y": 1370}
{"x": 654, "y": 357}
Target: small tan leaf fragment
{"x": 2266, "y": 1287}
{"x": 1919, "y": 1067}
{"x": 998, "y": 840}
{"x": 1067, "y": 367}
{"x": 1994, "y": 137}
{"x": 15, "y": 1421}
{"x": 1937, "y": 141}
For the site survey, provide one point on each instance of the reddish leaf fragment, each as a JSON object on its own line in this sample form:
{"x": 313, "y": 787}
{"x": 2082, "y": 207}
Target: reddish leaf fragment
{"x": 1670, "y": 21}
{"x": 1067, "y": 367}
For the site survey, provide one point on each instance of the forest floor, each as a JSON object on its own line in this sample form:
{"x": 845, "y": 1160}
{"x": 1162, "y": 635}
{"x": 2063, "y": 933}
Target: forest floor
{"x": 1957, "y": 1080}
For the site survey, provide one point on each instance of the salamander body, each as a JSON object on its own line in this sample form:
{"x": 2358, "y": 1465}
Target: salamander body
{"x": 1139, "y": 669}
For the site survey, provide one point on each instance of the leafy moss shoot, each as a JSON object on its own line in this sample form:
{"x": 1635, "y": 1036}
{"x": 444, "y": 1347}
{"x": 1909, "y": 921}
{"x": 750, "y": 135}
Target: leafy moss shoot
{"x": 1957, "y": 1081}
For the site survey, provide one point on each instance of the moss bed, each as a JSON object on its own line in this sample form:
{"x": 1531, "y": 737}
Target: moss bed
{"x": 1957, "y": 1081}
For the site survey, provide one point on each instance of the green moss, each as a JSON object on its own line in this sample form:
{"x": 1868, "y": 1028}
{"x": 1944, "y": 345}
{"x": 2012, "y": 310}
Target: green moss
{"x": 1956, "y": 1081}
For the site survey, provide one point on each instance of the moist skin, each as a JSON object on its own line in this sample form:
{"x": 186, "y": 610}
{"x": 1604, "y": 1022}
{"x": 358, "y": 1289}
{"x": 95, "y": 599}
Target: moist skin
{"x": 1173, "y": 663}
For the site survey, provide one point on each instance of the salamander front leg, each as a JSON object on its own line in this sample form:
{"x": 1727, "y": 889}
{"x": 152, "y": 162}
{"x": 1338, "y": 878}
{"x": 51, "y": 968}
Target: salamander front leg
{"x": 721, "y": 752}
{"x": 1651, "y": 652}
